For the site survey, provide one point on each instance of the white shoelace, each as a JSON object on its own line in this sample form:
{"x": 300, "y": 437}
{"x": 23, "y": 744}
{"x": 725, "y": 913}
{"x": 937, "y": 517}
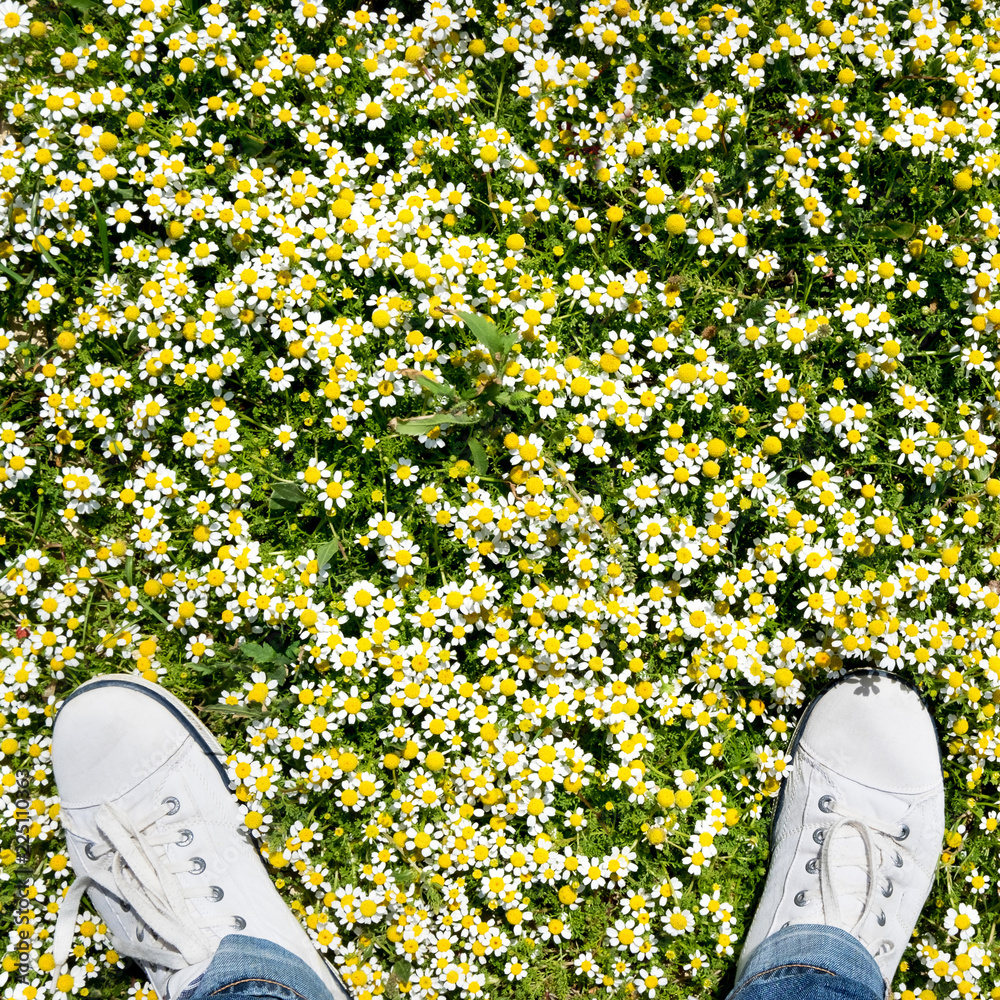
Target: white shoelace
{"x": 831, "y": 891}
{"x": 140, "y": 878}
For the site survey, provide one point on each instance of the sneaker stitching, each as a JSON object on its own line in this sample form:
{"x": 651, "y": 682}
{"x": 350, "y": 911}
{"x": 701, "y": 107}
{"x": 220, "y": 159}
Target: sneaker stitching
{"x": 270, "y": 982}
{"x": 830, "y": 773}
{"x": 927, "y": 791}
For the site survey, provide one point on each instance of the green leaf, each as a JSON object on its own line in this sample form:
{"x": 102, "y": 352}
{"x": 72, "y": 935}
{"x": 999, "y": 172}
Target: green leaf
{"x": 245, "y": 54}
{"x": 17, "y": 277}
{"x": 439, "y": 388}
{"x": 154, "y": 612}
{"x": 132, "y": 339}
{"x": 68, "y": 23}
{"x": 257, "y": 652}
{"x": 981, "y": 475}
{"x": 416, "y": 426}
{"x": 325, "y": 553}
{"x": 246, "y": 711}
{"x": 52, "y": 261}
{"x": 904, "y": 230}
{"x": 890, "y": 231}
{"x": 479, "y": 456}
{"x": 486, "y": 332}
{"x": 102, "y": 232}
{"x": 285, "y": 496}
{"x": 204, "y": 668}
{"x": 253, "y": 145}
{"x": 219, "y": 665}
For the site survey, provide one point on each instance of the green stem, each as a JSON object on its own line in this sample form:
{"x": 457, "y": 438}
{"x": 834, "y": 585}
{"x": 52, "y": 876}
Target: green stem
{"x": 805, "y": 293}
{"x": 718, "y": 270}
{"x": 503, "y": 77}
{"x": 38, "y": 520}
{"x": 749, "y": 119}
{"x": 86, "y": 620}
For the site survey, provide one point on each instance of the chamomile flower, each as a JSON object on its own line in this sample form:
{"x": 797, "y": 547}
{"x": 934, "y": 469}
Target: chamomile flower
{"x": 764, "y": 264}
{"x": 370, "y": 111}
{"x": 961, "y": 922}
{"x": 15, "y": 20}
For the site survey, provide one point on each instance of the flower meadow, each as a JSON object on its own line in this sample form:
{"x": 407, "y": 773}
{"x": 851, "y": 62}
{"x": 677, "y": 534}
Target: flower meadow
{"x": 497, "y": 423}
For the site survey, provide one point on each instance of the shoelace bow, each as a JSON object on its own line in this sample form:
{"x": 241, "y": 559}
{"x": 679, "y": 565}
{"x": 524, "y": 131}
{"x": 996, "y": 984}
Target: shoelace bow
{"x": 144, "y": 883}
{"x": 830, "y": 894}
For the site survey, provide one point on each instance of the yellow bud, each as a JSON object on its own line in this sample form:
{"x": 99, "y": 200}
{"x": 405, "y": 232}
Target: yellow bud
{"x": 951, "y": 555}
{"x": 675, "y": 224}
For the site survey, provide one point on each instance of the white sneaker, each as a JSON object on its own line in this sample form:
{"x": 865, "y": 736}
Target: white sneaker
{"x": 157, "y": 839}
{"x": 857, "y": 831}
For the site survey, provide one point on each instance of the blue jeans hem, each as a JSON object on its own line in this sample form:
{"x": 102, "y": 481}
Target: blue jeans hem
{"x": 810, "y": 960}
{"x": 250, "y": 967}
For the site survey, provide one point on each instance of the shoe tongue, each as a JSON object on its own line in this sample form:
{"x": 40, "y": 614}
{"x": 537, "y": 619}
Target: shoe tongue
{"x": 850, "y": 871}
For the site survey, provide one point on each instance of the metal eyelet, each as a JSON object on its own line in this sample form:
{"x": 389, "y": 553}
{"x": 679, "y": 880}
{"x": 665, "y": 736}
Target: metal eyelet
{"x": 125, "y": 906}
{"x": 880, "y": 919}
{"x": 90, "y": 854}
{"x": 174, "y": 803}
{"x": 139, "y": 933}
{"x": 904, "y": 834}
{"x": 217, "y": 892}
{"x": 787, "y": 923}
{"x": 818, "y": 836}
{"x": 898, "y": 860}
{"x": 812, "y": 866}
{"x": 186, "y": 837}
{"x": 800, "y": 898}
{"x": 887, "y": 891}
{"x": 199, "y": 864}
{"x": 240, "y": 923}
{"x": 826, "y": 803}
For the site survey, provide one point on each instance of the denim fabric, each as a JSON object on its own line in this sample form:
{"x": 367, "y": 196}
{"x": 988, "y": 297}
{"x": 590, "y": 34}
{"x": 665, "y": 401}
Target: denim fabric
{"x": 810, "y": 962}
{"x": 245, "y": 968}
